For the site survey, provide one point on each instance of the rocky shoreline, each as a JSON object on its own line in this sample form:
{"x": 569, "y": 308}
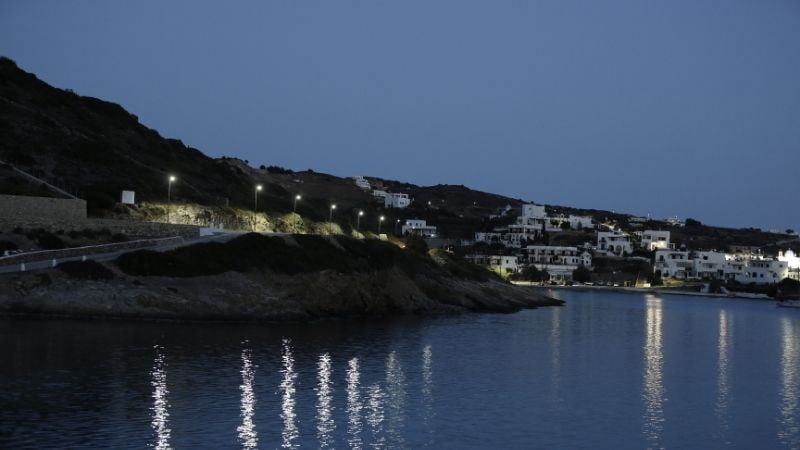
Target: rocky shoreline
{"x": 263, "y": 296}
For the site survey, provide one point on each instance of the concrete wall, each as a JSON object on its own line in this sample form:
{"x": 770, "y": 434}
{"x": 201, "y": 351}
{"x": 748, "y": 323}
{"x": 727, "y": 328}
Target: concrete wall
{"x": 24, "y": 208}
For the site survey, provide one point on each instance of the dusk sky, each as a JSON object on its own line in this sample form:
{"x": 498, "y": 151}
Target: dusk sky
{"x": 677, "y": 108}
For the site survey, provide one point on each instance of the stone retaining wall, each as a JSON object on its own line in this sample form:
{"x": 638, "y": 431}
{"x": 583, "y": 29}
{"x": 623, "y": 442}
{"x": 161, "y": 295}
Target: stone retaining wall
{"x": 132, "y": 229}
{"x": 24, "y": 208}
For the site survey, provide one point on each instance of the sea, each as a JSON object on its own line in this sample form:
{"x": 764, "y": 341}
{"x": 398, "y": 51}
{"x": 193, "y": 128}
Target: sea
{"x": 607, "y": 370}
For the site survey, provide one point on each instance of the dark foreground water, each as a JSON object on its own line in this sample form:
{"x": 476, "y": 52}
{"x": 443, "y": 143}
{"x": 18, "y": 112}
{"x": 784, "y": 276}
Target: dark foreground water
{"x": 605, "y": 371}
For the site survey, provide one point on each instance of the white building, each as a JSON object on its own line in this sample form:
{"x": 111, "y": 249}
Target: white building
{"x": 396, "y": 200}
{"x": 673, "y": 264}
{"x": 558, "y": 261}
{"x": 655, "y": 240}
{"x": 531, "y": 211}
{"x": 362, "y": 182}
{"x": 764, "y": 271}
{"x": 581, "y": 222}
{"x": 497, "y": 263}
{"x": 709, "y": 265}
{"x": 489, "y": 237}
{"x": 614, "y": 243}
{"x": 420, "y": 227}
{"x": 793, "y": 263}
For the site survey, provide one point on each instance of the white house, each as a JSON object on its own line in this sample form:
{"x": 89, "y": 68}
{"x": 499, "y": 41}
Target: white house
{"x": 396, "y": 200}
{"x": 673, "y": 264}
{"x": 614, "y": 243}
{"x": 489, "y": 237}
{"x": 793, "y": 263}
{"x": 362, "y": 182}
{"x": 580, "y": 222}
{"x": 655, "y": 240}
{"x": 558, "y": 261}
{"x": 420, "y": 227}
{"x": 764, "y": 271}
{"x": 531, "y": 211}
{"x": 499, "y": 263}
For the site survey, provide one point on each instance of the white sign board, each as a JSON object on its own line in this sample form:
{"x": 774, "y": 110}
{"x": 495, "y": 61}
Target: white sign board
{"x": 128, "y": 197}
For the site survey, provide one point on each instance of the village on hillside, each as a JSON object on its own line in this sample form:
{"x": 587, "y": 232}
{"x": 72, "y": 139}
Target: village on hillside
{"x": 529, "y": 247}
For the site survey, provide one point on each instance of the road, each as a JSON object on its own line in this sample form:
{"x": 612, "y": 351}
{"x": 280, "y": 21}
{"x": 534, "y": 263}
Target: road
{"x": 110, "y": 256}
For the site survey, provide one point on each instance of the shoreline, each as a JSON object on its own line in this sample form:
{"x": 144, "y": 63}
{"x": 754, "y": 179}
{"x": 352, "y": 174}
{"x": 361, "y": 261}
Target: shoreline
{"x": 650, "y": 290}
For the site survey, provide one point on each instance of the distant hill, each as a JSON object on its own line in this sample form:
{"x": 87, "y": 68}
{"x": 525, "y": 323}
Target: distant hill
{"x": 95, "y": 149}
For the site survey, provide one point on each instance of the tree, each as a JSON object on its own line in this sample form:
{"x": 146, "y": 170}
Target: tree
{"x": 565, "y": 225}
{"x": 582, "y": 275}
{"x": 693, "y": 223}
{"x": 416, "y": 244}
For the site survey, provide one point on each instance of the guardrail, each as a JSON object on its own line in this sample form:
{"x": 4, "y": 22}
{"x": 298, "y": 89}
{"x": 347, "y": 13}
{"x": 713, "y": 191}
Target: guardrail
{"x": 41, "y": 255}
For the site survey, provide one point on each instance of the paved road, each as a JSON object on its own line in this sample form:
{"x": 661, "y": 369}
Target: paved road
{"x": 110, "y": 256}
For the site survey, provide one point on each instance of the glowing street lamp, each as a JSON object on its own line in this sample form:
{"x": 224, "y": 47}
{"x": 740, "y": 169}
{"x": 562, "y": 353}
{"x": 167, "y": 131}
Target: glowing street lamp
{"x": 330, "y": 213}
{"x": 358, "y": 220}
{"x": 170, "y": 180}
{"x": 396, "y": 223}
{"x": 296, "y": 198}
{"x": 255, "y": 197}
{"x": 380, "y": 221}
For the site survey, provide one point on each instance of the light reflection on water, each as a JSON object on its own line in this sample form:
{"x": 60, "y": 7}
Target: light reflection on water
{"x": 325, "y": 422}
{"x": 247, "y": 430}
{"x": 287, "y": 389}
{"x": 654, "y": 390}
{"x": 354, "y": 405}
{"x": 789, "y": 431}
{"x": 549, "y": 378}
{"x": 375, "y": 415}
{"x": 160, "y": 409}
{"x": 724, "y": 339}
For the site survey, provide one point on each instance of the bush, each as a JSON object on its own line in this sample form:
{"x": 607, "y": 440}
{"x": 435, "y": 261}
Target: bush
{"x": 582, "y": 275}
{"x": 255, "y": 251}
{"x": 7, "y": 245}
{"x": 416, "y": 244}
{"x": 49, "y": 241}
{"x": 86, "y": 270}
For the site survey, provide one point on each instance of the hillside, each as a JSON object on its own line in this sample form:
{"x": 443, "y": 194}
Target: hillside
{"x": 95, "y": 149}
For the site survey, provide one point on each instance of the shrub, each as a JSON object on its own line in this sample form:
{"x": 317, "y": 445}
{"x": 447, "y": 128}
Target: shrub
{"x": 86, "y": 270}
{"x": 119, "y": 237}
{"x": 7, "y": 245}
{"x": 416, "y": 244}
{"x": 49, "y": 241}
{"x": 582, "y": 275}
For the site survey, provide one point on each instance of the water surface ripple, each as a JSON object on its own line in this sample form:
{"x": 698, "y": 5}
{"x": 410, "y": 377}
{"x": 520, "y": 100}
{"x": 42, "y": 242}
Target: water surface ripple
{"x": 605, "y": 371}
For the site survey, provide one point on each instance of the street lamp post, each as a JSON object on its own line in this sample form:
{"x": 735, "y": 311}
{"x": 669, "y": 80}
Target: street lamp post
{"x": 380, "y": 221}
{"x": 296, "y": 198}
{"x": 255, "y": 197}
{"x": 330, "y": 213}
{"x": 170, "y": 180}
{"x": 396, "y": 223}
{"x": 358, "y": 220}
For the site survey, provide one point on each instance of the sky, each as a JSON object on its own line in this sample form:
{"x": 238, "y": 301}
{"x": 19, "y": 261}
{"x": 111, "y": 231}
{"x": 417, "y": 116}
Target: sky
{"x": 687, "y": 108}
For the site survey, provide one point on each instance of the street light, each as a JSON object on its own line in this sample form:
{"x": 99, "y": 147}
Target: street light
{"x": 380, "y": 221}
{"x": 255, "y": 197}
{"x": 330, "y": 213}
{"x": 296, "y": 198}
{"x": 171, "y": 180}
{"x": 396, "y": 223}
{"x": 358, "y": 220}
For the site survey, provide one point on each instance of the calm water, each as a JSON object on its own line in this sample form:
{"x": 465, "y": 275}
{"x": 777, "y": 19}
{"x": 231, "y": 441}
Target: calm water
{"x": 606, "y": 371}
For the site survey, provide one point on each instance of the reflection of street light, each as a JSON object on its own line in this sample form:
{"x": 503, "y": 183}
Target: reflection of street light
{"x": 296, "y": 198}
{"x": 358, "y": 220}
{"x": 380, "y": 221}
{"x": 330, "y": 213}
{"x": 255, "y": 197}
{"x": 171, "y": 180}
